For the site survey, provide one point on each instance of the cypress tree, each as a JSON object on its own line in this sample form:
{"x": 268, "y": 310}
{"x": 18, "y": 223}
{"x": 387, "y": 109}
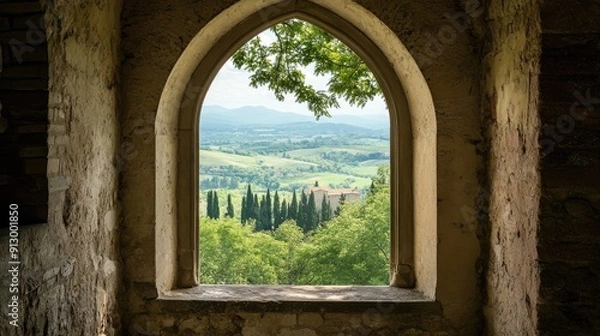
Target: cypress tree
{"x": 255, "y": 208}
{"x": 312, "y": 216}
{"x": 230, "y": 212}
{"x": 268, "y": 211}
{"x": 249, "y": 204}
{"x": 243, "y": 215}
{"x": 325, "y": 210}
{"x": 276, "y": 211}
{"x": 215, "y": 208}
{"x": 293, "y": 208}
{"x": 261, "y": 224}
{"x": 284, "y": 212}
{"x": 209, "y": 204}
{"x": 338, "y": 210}
{"x": 372, "y": 188}
{"x": 303, "y": 212}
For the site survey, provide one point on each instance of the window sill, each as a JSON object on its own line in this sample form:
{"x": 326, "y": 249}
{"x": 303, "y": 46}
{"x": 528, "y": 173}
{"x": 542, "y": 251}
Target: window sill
{"x": 219, "y": 298}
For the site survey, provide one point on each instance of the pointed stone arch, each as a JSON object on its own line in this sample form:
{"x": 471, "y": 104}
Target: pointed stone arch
{"x": 412, "y": 120}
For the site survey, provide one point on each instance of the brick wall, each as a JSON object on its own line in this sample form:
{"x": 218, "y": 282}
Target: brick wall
{"x": 24, "y": 110}
{"x": 569, "y": 236}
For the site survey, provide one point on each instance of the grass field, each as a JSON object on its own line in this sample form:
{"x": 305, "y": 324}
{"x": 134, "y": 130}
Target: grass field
{"x": 325, "y": 179}
{"x": 212, "y": 158}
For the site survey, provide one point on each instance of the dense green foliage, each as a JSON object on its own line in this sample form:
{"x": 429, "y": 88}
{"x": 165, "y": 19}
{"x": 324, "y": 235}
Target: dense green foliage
{"x": 352, "y": 248}
{"x": 280, "y": 67}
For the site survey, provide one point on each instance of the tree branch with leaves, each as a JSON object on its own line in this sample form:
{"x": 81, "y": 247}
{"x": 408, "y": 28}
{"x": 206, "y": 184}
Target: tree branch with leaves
{"x": 280, "y": 66}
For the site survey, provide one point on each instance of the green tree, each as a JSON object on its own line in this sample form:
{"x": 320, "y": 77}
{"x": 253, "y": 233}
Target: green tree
{"x": 325, "y": 210}
{"x": 230, "y": 212}
{"x": 312, "y": 215}
{"x": 243, "y": 215}
{"x": 283, "y": 216}
{"x": 372, "y": 187}
{"x": 216, "y": 212}
{"x": 255, "y": 208}
{"x": 276, "y": 211}
{"x": 233, "y": 254}
{"x": 341, "y": 203}
{"x": 354, "y": 247}
{"x": 303, "y": 218}
{"x": 293, "y": 208}
{"x": 261, "y": 223}
{"x": 209, "y": 204}
{"x": 289, "y": 233}
{"x": 250, "y": 212}
{"x": 268, "y": 211}
{"x": 298, "y": 44}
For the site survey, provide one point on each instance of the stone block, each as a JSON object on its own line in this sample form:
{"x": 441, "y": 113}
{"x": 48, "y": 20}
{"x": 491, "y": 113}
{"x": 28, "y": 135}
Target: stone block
{"x": 278, "y": 319}
{"x": 53, "y": 166}
{"x": 58, "y": 183}
{"x": 312, "y": 320}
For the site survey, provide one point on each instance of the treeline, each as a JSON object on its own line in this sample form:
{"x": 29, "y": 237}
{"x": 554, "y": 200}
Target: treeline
{"x": 350, "y": 158}
{"x": 268, "y": 213}
{"x": 253, "y": 143}
{"x": 218, "y": 182}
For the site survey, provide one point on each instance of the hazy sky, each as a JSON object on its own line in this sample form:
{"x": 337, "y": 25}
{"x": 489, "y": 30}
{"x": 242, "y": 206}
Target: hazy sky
{"x": 231, "y": 89}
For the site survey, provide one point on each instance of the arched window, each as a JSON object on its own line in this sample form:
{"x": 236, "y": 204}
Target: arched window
{"x": 412, "y": 143}
{"x": 255, "y": 146}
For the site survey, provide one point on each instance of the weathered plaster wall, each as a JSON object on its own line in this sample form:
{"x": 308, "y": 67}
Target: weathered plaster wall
{"x": 511, "y": 117}
{"x": 70, "y": 267}
{"x": 569, "y": 236}
{"x": 154, "y": 35}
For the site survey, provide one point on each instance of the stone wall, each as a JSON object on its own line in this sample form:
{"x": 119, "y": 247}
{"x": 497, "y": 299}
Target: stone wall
{"x": 569, "y": 238}
{"x": 289, "y": 324}
{"x": 24, "y": 110}
{"x": 69, "y": 268}
{"x": 511, "y": 118}
{"x": 155, "y": 34}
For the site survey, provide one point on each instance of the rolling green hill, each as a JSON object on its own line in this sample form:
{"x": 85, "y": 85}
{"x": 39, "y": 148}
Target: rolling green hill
{"x": 271, "y": 153}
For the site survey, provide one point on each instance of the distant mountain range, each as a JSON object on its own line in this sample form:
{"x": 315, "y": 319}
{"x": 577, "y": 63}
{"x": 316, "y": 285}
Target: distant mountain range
{"x": 215, "y": 116}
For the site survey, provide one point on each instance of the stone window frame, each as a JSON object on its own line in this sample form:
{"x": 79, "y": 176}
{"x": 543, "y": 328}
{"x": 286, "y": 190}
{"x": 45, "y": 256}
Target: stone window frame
{"x": 412, "y": 143}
